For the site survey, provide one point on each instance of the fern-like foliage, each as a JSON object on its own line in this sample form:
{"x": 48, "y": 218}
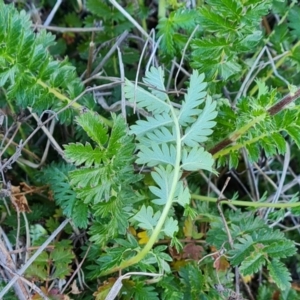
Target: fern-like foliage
{"x": 170, "y": 140}
{"x": 226, "y": 28}
{"x": 104, "y": 177}
{"x": 229, "y": 27}
{"x": 57, "y": 176}
{"x": 255, "y": 245}
{"x": 27, "y": 71}
{"x": 255, "y": 128}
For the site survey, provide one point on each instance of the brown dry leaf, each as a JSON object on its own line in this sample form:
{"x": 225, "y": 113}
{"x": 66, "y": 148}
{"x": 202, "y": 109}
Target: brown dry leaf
{"x": 104, "y": 289}
{"x": 192, "y": 251}
{"x": 174, "y": 253}
{"x": 26, "y": 188}
{"x": 296, "y": 286}
{"x": 177, "y": 265}
{"x": 75, "y": 289}
{"x": 221, "y": 264}
{"x": 19, "y": 199}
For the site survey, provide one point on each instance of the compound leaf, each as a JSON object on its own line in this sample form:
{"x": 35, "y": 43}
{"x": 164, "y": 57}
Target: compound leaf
{"x": 201, "y": 129}
{"x": 197, "y": 159}
{"x": 279, "y": 274}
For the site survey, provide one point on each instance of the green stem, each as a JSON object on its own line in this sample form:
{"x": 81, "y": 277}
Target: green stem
{"x": 162, "y": 9}
{"x": 72, "y": 104}
{"x": 217, "y": 149}
{"x": 245, "y": 203}
{"x": 277, "y": 65}
{"x": 165, "y": 212}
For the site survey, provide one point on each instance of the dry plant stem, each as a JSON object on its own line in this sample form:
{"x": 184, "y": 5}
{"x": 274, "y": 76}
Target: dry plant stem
{"x": 213, "y": 187}
{"x": 13, "y": 158}
{"x": 251, "y": 177}
{"x": 268, "y": 179}
{"x": 33, "y": 257}
{"x": 287, "y": 158}
{"x": 138, "y": 69}
{"x": 49, "y": 134}
{"x": 113, "y": 293}
{"x": 27, "y": 234}
{"x": 53, "y": 12}
{"x": 19, "y": 287}
{"x": 183, "y": 54}
{"x": 110, "y": 52}
{"x": 122, "y": 75}
{"x": 152, "y": 56}
{"x": 222, "y": 215}
{"x": 129, "y": 17}
{"x": 28, "y": 283}
{"x": 236, "y": 177}
{"x": 29, "y": 153}
{"x": 230, "y": 240}
{"x": 91, "y": 56}
{"x": 77, "y": 269}
{"x": 277, "y": 65}
{"x": 118, "y": 106}
{"x": 10, "y": 140}
{"x": 66, "y": 29}
{"x": 8, "y": 245}
{"x": 23, "y": 249}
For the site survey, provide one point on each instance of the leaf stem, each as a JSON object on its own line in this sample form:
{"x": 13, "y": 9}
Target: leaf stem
{"x": 166, "y": 209}
{"x": 216, "y": 150}
{"x": 220, "y": 148}
{"x": 70, "y": 102}
{"x": 245, "y": 203}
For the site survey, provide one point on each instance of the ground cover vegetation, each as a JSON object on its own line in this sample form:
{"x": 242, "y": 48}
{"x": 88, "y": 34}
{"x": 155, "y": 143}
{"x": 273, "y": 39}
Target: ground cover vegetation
{"x": 149, "y": 149}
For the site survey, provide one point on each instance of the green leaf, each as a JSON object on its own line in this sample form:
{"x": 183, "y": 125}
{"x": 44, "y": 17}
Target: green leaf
{"x": 213, "y": 21}
{"x": 281, "y": 249}
{"x": 138, "y": 291}
{"x": 159, "y": 136}
{"x": 163, "y": 177}
{"x": 57, "y": 176}
{"x": 80, "y": 214}
{"x": 156, "y": 154}
{"x": 209, "y": 47}
{"x": 294, "y": 132}
{"x": 201, "y": 128}
{"x": 193, "y": 282}
{"x": 182, "y": 194}
{"x": 197, "y": 159}
{"x": 241, "y": 250}
{"x": 146, "y": 218}
{"x": 155, "y": 81}
{"x": 193, "y": 98}
{"x": 156, "y": 101}
{"x": 142, "y": 127}
{"x": 170, "y": 227}
{"x": 83, "y": 154}
{"x": 253, "y": 263}
{"x": 94, "y": 127}
{"x": 279, "y": 273}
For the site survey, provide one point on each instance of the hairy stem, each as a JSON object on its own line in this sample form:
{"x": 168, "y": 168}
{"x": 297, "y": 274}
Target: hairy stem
{"x": 218, "y": 149}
